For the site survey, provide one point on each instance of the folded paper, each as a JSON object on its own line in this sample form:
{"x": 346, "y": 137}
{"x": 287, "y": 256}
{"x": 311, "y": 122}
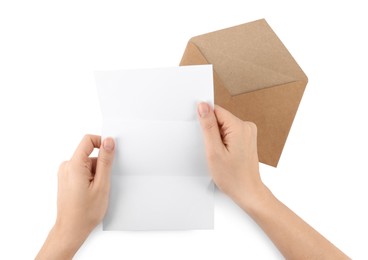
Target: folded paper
{"x": 160, "y": 179}
{"x": 255, "y": 77}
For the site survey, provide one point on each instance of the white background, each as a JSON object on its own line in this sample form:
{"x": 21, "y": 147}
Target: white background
{"x": 48, "y": 101}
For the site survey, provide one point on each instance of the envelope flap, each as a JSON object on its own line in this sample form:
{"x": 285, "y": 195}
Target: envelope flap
{"x": 249, "y": 57}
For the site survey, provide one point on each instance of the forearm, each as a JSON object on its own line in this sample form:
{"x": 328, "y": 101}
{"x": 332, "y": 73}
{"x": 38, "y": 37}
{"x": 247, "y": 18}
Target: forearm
{"x": 292, "y": 236}
{"x": 60, "y": 244}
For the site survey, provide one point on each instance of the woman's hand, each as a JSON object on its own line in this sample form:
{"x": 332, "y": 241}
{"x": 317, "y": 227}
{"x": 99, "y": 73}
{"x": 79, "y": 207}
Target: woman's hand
{"x": 83, "y": 195}
{"x": 231, "y": 149}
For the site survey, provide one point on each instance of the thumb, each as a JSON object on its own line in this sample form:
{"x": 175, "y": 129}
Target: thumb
{"x": 210, "y": 128}
{"x": 104, "y": 161}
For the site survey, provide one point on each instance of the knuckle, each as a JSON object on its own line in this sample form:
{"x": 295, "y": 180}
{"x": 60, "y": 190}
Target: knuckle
{"x": 86, "y": 137}
{"x": 251, "y": 126}
{"x": 63, "y": 168}
{"x": 62, "y": 165}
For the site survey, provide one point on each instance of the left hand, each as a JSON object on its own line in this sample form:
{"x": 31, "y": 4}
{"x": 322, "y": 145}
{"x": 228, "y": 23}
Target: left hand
{"x": 83, "y": 195}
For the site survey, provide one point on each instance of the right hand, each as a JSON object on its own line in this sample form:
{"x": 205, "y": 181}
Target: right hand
{"x": 231, "y": 150}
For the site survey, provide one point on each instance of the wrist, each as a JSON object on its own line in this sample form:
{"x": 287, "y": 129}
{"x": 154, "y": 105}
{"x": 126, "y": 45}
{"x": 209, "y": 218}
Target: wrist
{"x": 71, "y": 238}
{"x": 62, "y": 243}
{"x": 254, "y": 197}
{"x": 58, "y": 245}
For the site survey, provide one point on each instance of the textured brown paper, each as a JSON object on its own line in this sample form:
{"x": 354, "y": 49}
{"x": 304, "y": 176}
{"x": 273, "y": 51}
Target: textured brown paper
{"x": 255, "y": 77}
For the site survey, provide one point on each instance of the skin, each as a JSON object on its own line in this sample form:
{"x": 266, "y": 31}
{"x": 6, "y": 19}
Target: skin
{"x": 231, "y": 150}
{"x": 83, "y": 195}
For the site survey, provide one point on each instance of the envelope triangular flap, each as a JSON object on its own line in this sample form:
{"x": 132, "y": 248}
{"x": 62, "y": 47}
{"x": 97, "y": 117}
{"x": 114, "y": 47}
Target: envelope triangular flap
{"x": 257, "y": 56}
{"x": 266, "y": 89}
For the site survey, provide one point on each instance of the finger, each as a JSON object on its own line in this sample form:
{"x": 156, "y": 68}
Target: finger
{"x": 85, "y": 147}
{"x": 227, "y": 120}
{"x": 225, "y": 117}
{"x": 104, "y": 162}
{"x": 210, "y": 128}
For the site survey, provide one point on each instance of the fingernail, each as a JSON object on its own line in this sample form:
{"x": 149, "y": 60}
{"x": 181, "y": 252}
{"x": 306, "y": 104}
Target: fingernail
{"x": 203, "y": 109}
{"x": 108, "y": 144}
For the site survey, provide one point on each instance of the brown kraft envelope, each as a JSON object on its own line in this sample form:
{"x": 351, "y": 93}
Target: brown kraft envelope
{"x": 255, "y": 78}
